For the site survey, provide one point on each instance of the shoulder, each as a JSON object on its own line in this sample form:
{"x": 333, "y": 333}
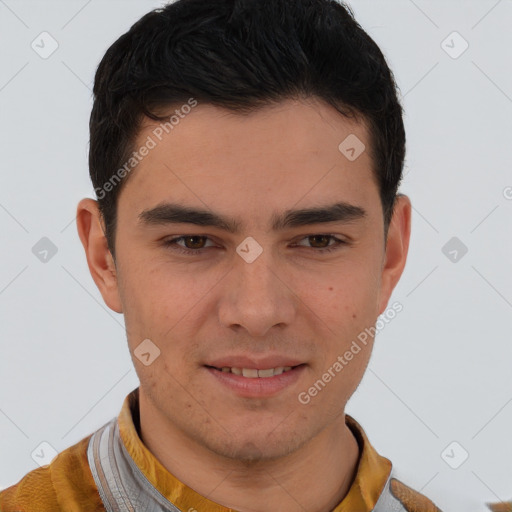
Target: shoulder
{"x": 66, "y": 484}
{"x": 411, "y": 500}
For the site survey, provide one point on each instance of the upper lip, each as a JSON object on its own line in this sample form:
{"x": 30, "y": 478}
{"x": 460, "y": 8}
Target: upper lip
{"x": 253, "y": 362}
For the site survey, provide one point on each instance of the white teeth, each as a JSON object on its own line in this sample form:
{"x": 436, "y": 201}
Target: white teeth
{"x": 265, "y": 373}
{"x": 249, "y": 372}
{"x": 253, "y": 373}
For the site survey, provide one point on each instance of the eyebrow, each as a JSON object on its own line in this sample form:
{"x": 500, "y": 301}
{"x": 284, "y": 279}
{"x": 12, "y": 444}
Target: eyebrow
{"x": 174, "y": 213}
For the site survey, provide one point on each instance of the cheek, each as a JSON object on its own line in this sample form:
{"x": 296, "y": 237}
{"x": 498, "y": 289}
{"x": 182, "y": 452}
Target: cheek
{"x": 164, "y": 305}
{"x": 344, "y": 301}
{"x": 347, "y": 309}
{"x": 158, "y": 295}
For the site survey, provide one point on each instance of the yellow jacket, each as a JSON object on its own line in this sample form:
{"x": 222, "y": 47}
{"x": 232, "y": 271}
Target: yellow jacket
{"x": 77, "y": 479}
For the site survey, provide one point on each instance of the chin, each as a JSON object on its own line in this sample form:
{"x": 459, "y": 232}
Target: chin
{"x": 251, "y": 453}
{"x": 259, "y": 447}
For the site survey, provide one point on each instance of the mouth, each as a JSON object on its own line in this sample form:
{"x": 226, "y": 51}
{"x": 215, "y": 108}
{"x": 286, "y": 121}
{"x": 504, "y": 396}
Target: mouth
{"x": 256, "y": 382}
{"x": 255, "y": 373}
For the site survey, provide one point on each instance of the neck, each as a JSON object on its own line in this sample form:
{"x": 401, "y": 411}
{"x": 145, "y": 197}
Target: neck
{"x": 315, "y": 478}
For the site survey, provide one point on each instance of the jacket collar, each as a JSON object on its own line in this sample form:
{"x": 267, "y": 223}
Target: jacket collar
{"x": 372, "y": 474}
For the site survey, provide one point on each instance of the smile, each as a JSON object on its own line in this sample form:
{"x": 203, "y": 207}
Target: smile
{"x": 254, "y": 373}
{"x": 256, "y": 382}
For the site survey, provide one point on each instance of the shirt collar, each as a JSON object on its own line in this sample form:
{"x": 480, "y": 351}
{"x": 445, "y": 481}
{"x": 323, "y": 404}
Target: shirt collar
{"x": 372, "y": 472}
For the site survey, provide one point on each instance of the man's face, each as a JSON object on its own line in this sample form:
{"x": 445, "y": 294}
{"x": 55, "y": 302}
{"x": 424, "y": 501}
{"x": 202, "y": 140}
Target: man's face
{"x": 293, "y": 305}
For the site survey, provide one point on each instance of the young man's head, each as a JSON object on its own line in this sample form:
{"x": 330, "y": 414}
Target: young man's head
{"x": 246, "y": 156}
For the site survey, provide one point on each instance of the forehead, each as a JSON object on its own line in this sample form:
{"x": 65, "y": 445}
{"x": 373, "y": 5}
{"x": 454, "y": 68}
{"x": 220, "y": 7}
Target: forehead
{"x": 310, "y": 124}
{"x": 292, "y": 152}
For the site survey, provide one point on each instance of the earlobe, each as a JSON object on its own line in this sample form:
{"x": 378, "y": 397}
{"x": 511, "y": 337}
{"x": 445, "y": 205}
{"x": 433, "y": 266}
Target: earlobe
{"x": 99, "y": 259}
{"x": 397, "y": 248}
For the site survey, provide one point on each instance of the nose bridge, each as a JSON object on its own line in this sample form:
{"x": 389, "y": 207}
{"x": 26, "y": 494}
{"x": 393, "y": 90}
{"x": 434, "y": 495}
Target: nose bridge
{"x": 257, "y": 298}
{"x": 258, "y": 275}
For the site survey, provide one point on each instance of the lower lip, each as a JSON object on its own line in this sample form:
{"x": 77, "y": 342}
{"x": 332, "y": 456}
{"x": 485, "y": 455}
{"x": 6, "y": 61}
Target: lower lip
{"x": 258, "y": 387}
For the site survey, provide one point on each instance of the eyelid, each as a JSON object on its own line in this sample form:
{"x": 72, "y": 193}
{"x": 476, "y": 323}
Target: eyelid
{"x": 336, "y": 238}
{"x": 173, "y": 241}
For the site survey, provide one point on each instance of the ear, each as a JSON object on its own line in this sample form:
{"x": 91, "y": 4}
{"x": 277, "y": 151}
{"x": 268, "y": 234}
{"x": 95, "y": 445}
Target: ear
{"x": 99, "y": 259}
{"x": 397, "y": 248}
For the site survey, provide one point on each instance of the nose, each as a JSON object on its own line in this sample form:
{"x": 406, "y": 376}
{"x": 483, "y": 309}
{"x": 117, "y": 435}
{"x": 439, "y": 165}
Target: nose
{"x": 256, "y": 296}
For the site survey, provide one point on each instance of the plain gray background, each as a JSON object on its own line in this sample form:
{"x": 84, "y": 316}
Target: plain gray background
{"x": 440, "y": 371}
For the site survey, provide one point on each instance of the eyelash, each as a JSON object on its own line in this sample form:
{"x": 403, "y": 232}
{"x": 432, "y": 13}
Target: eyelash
{"x": 195, "y": 252}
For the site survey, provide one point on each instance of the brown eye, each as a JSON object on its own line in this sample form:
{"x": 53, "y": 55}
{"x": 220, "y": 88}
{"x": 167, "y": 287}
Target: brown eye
{"x": 193, "y": 244}
{"x": 320, "y": 243}
{"x": 322, "y": 239}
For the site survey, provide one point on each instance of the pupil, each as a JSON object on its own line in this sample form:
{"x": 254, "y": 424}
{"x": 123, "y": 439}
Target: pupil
{"x": 324, "y": 237}
{"x": 192, "y": 238}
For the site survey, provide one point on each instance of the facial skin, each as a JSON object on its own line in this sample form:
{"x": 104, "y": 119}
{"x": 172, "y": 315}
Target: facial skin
{"x": 290, "y": 301}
